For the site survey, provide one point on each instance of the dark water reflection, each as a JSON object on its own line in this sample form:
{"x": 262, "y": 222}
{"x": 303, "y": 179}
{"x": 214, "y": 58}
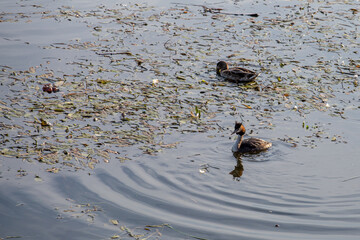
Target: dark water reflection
{"x": 238, "y": 170}
{"x": 299, "y": 189}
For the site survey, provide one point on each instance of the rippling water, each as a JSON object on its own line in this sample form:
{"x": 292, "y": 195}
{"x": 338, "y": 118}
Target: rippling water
{"x": 284, "y": 193}
{"x": 199, "y": 188}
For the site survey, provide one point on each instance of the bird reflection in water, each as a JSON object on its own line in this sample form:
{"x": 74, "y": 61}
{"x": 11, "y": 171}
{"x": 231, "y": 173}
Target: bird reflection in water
{"x": 239, "y": 168}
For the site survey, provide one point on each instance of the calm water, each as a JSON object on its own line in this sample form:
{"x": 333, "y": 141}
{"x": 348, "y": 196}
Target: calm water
{"x": 305, "y": 187}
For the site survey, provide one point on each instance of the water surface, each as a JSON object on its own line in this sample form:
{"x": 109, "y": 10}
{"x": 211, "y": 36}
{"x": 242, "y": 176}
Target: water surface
{"x": 117, "y": 153}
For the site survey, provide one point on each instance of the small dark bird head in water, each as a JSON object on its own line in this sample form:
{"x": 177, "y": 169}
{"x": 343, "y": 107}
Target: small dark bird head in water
{"x": 239, "y": 129}
{"x": 221, "y": 66}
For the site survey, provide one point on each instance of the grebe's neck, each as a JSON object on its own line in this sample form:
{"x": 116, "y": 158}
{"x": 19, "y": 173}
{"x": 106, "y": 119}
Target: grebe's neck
{"x": 237, "y": 144}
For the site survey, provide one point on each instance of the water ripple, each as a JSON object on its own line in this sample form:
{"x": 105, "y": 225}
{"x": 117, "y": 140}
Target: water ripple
{"x": 195, "y": 204}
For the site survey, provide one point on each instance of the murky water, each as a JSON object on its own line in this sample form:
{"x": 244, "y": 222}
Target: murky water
{"x": 119, "y": 155}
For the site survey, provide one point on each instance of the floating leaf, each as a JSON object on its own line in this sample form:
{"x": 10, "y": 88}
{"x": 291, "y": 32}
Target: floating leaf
{"x": 53, "y": 170}
{"x": 114, "y": 221}
{"x": 247, "y": 106}
{"x": 45, "y": 123}
{"x": 32, "y": 70}
{"x": 38, "y": 178}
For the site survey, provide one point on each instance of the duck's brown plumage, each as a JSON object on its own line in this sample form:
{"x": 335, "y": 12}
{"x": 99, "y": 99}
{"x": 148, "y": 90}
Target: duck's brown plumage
{"x": 236, "y": 74}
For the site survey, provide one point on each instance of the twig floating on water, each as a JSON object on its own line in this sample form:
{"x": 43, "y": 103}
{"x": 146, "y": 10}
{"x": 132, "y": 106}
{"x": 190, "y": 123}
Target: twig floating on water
{"x": 114, "y": 53}
{"x": 218, "y": 10}
{"x": 349, "y": 179}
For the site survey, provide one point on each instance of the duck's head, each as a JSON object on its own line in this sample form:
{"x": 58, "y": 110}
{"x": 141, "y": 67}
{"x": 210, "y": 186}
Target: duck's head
{"x": 239, "y": 129}
{"x": 221, "y": 66}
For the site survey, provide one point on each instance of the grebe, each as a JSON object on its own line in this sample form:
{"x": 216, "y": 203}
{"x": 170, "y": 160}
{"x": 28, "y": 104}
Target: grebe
{"x": 236, "y": 74}
{"x": 249, "y": 145}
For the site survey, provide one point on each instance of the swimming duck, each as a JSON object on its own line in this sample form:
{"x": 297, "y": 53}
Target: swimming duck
{"x": 236, "y": 74}
{"x": 249, "y": 145}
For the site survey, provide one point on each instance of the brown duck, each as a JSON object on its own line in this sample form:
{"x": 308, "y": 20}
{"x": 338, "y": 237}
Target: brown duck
{"x": 236, "y": 74}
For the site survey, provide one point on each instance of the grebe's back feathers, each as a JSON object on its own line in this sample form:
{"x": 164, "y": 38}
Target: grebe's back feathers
{"x": 253, "y": 145}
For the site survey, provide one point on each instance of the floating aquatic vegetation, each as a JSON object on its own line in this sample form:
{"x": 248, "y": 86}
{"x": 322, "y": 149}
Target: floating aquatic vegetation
{"x": 146, "y": 73}
{"x": 75, "y": 210}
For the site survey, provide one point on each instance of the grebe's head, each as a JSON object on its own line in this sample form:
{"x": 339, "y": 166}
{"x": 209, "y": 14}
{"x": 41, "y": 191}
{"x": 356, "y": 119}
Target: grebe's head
{"x": 221, "y": 66}
{"x": 239, "y": 129}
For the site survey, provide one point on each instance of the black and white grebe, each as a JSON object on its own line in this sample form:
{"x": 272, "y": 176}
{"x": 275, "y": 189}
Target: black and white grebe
{"x": 249, "y": 145}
